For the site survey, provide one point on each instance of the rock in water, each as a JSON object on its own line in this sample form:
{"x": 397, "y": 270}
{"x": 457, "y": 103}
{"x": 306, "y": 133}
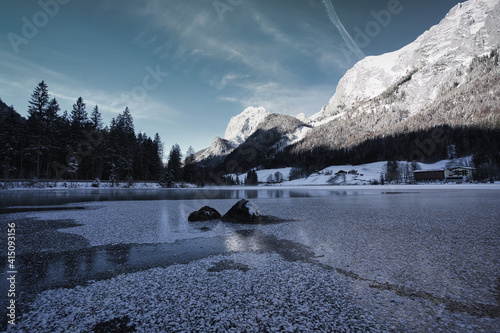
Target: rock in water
{"x": 204, "y": 214}
{"x": 243, "y": 212}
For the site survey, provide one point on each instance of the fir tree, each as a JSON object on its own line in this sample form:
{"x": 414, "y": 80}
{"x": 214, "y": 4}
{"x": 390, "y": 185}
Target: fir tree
{"x": 79, "y": 117}
{"x": 167, "y": 179}
{"x": 190, "y": 166}
{"x": 96, "y": 118}
{"x": 37, "y": 127}
{"x": 53, "y": 108}
{"x": 39, "y": 101}
{"x": 252, "y": 178}
{"x": 123, "y": 143}
{"x": 159, "y": 144}
{"x": 174, "y": 162}
{"x": 73, "y": 167}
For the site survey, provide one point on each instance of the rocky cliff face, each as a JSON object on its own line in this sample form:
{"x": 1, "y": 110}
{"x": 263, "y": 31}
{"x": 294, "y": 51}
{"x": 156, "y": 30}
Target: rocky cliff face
{"x": 449, "y": 76}
{"x": 420, "y": 69}
{"x": 245, "y": 124}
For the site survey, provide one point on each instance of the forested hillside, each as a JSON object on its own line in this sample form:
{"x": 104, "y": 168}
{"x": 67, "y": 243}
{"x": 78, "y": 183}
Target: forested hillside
{"x": 51, "y": 145}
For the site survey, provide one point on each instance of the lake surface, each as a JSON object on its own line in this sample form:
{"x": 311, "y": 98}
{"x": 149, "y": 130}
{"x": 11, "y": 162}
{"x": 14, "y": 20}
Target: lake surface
{"x": 441, "y": 243}
{"x": 59, "y": 197}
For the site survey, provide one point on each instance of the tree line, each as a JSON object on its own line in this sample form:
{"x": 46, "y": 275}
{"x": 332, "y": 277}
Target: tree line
{"x": 424, "y": 146}
{"x": 76, "y": 145}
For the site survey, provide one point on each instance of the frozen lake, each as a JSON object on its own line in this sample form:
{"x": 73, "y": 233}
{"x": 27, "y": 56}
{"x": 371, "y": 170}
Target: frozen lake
{"x": 368, "y": 258}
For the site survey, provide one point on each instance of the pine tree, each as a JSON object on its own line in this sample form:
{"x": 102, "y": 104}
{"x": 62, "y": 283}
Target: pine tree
{"x": 392, "y": 173}
{"x": 159, "y": 144}
{"x": 123, "y": 144}
{"x": 174, "y": 162}
{"x": 39, "y": 101}
{"x": 38, "y": 140}
{"x": 51, "y": 114}
{"x": 12, "y": 129}
{"x": 54, "y": 138}
{"x": 96, "y": 118}
{"x": 167, "y": 179}
{"x": 73, "y": 167}
{"x": 252, "y": 178}
{"x": 126, "y": 122}
{"x": 97, "y": 134}
{"x": 79, "y": 117}
{"x": 190, "y": 166}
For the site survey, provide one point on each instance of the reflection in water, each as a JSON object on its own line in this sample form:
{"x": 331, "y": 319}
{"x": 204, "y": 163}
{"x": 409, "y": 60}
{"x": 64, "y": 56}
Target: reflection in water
{"x": 252, "y": 194}
{"x": 120, "y": 255}
{"x": 240, "y": 242}
{"x": 58, "y": 197}
{"x": 165, "y": 226}
{"x": 43, "y": 271}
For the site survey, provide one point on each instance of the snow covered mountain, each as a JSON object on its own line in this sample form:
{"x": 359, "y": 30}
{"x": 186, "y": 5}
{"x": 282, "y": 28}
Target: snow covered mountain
{"x": 245, "y": 124}
{"x": 450, "y": 75}
{"x": 239, "y": 129}
{"x": 219, "y": 147}
{"x": 273, "y": 135}
{"x": 420, "y": 69}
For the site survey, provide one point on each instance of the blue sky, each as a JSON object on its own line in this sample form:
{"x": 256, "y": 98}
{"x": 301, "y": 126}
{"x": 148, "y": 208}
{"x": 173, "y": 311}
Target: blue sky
{"x": 185, "y": 67}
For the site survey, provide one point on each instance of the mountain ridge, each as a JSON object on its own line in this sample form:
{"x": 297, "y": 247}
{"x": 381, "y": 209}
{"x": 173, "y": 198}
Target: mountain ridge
{"x": 470, "y": 29}
{"x": 448, "y": 76}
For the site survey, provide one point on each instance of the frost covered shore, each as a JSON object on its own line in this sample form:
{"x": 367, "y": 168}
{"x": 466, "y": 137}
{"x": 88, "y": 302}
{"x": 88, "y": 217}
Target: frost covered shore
{"x": 402, "y": 261}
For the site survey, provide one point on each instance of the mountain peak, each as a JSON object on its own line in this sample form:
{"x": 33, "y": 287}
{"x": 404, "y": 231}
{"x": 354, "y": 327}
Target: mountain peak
{"x": 219, "y": 148}
{"x": 470, "y": 29}
{"x": 245, "y": 124}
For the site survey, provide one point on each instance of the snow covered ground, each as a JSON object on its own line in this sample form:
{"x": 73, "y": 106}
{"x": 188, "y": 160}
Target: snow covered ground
{"x": 364, "y": 174}
{"x": 385, "y": 258}
{"x": 68, "y": 185}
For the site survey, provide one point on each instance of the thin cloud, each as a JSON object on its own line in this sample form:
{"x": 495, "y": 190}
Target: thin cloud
{"x": 27, "y": 68}
{"x": 332, "y": 15}
{"x": 227, "y": 79}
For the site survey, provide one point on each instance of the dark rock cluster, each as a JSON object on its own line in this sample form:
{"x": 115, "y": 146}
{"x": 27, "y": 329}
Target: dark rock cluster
{"x": 243, "y": 211}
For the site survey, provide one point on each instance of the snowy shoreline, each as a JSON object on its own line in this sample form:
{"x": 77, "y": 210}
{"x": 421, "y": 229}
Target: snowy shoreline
{"x": 82, "y": 187}
{"x": 381, "y": 263}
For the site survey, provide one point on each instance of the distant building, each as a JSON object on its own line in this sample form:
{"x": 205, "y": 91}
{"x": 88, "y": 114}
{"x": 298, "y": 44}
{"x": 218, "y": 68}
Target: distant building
{"x": 457, "y": 174}
{"x": 428, "y": 175}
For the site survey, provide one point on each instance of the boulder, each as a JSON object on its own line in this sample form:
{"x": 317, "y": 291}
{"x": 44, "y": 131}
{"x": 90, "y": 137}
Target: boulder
{"x": 243, "y": 212}
{"x": 204, "y": 214}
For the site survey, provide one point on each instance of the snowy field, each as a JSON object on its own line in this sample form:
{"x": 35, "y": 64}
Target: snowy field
{"x": 364, "y": 174}
{"x": 374, "y": 259}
